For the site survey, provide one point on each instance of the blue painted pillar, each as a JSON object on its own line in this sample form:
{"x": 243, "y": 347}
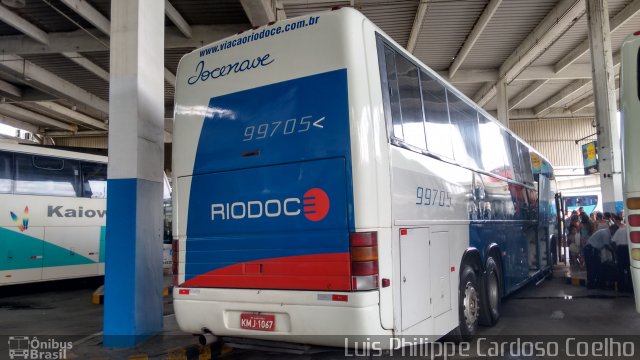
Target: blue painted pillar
{"x": 133, "y": 278}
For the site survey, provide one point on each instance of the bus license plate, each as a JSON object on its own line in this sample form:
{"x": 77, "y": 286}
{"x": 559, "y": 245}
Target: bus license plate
{"x": 258, "y": 322}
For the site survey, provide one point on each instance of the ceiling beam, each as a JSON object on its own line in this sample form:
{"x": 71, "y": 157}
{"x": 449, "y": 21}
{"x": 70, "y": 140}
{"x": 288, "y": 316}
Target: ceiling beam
{"x": 616, "y": 22}
{"x": 570, "y": 90}
{"x": 575, "y": 86}
{"x": 169, "y": 77}
{"x": 478, "y": 28}
{"x": 524, "y": 94}
{"x": 22, "y": 125}
{"x": 65, "y": 134}
{"x": 573, "y": 71}
{"x": 70, "y": 115}
{"x": 89, "y": 13}
{"x": 279, "y": 8}
{"x": 87, "y": 64}
{"x": 561, "y": 18}
{"x": 589, "y": 100}
{"x": 259, "y": 12}
{"x": 177, "y": 19}
{"x": 557, "y": 21}
{"x": 54, "y": 84}
{"x": 22, "y": 25}
{"x": 531, "y": 73}
{"x": 33, "y": 117}
{"x": 470, "y": 76}
{"x": 80, "y": 41}
{"x": 485, "y": 94}
{"x": 417, "y": 25}
{"x": 526, "y": 114}
{"x": 10, "y": 89}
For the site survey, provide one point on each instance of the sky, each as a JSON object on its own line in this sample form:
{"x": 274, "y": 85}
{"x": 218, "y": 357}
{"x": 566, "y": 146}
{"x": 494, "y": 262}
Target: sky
{"x": 7, "y": 130}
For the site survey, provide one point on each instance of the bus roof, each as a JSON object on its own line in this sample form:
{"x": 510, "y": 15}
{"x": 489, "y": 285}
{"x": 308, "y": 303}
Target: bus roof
{"x": 48, "y": 151}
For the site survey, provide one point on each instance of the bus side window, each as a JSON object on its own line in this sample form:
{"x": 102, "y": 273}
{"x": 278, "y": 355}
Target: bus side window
{"x": 464, "y": 121}
{"x": 436, "y": 115}
{"x": 493, "y": 149}
{"x": 508, "y": 161}
{"x": 94, "y": 180}
{"x": 43, "y": 175}
{"x": 6, "y": 172}
{"x": 515, "y": 158}
{"x": 394, "y": 98}
{"x": 525, "y": 158}
{"x": 410, "y": 103}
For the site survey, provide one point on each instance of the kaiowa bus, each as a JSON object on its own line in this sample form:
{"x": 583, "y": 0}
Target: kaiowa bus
{"x": 53, "y": 214}
{"x": 329, "y": 183}
{"x": 630, "y": 108}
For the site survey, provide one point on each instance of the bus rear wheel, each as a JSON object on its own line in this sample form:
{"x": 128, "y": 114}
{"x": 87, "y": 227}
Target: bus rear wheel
{"x": 492, "y": 290}
{"x": 468, "y": 302}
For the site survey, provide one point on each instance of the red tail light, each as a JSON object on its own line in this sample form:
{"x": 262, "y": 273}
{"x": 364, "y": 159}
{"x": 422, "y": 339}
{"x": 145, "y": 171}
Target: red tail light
{"x": 634, "y": 236}
{"x": 364, "y": 260}
{"x": 175, "y": 248}
{"x": 634, "y": 220}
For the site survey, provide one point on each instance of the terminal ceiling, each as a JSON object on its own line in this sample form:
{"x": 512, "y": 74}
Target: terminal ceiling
{"x": 54, "y": 61}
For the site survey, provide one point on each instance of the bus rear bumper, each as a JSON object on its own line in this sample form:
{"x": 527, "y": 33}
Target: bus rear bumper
{"x": 635, "y": 279}
{"x": 308, "y": 317}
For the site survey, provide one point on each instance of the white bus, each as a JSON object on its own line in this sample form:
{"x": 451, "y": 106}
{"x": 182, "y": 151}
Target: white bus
{"x": 52, "y": 214}
{"x": 630, "y": 128}
{"x": 328, "y": 183}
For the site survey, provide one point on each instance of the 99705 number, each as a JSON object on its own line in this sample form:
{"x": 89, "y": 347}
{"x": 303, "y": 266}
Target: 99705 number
{"x": 285, "y": 127}
{"x": 432, "y": 197}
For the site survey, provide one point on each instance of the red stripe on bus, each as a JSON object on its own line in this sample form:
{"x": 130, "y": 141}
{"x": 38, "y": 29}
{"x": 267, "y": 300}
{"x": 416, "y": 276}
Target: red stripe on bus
{"x": 305, "y": 272}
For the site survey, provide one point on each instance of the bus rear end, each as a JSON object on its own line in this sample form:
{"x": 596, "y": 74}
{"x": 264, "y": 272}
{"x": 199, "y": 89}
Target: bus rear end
{"x": 630, "y": 128}
{"x": 266, "y": 244}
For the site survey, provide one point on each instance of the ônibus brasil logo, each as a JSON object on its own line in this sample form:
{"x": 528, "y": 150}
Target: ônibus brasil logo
{"x": 314, "y": 205}
{"x": 23, "y": 224}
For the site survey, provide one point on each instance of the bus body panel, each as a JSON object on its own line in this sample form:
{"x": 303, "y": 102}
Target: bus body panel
{"x": 630, "y": 128}
{"x": 373, "y": 184}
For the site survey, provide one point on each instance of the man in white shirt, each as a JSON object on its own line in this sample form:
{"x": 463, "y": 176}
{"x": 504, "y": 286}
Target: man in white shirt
{"x": 621, "y": 240}
{"x": 597, "y": 252}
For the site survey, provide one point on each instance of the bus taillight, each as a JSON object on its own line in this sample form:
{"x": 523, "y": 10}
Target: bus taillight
{"x": 364, "y": 260}
{"x": 634, "y": 220}
{"x": 175, "y": 247}
{"x": 633, "y": 203}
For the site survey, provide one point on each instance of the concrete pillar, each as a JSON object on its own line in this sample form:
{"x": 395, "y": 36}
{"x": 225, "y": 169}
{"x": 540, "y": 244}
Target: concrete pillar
{"x": 503, "y": 102}
{"x": 605, "y": 101}
{"x": 133, "y": 280}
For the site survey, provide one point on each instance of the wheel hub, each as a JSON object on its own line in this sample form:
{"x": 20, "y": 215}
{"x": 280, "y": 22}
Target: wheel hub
{"x": 471, "y": 304}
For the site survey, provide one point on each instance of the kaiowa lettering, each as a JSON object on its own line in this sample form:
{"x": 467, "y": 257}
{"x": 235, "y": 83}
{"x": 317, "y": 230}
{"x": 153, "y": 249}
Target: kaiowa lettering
{"x": 60, "y": 211}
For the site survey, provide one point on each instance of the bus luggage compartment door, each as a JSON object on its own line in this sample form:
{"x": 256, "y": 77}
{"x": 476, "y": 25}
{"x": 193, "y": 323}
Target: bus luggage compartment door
{"x": 414, "y": 276}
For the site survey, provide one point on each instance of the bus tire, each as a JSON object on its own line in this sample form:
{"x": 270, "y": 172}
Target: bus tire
{"x": 493, "y": 290}
{"x": 468, "y": 302}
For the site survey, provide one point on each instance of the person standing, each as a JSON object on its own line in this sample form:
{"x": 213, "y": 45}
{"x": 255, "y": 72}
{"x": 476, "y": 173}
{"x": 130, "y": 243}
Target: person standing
{"x": 621, "y": 241}
{"x": 597, "y": 253}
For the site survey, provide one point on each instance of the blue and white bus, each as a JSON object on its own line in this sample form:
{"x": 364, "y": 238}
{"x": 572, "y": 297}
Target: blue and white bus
{"x": 630, "y": 128}
{"x": 52, "y": 214}
{"x": 328, "y": 183}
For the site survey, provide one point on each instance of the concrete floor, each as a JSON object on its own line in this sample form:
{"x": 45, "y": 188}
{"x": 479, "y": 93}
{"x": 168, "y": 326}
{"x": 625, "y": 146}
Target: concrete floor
{"x": 551, "y": 309}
